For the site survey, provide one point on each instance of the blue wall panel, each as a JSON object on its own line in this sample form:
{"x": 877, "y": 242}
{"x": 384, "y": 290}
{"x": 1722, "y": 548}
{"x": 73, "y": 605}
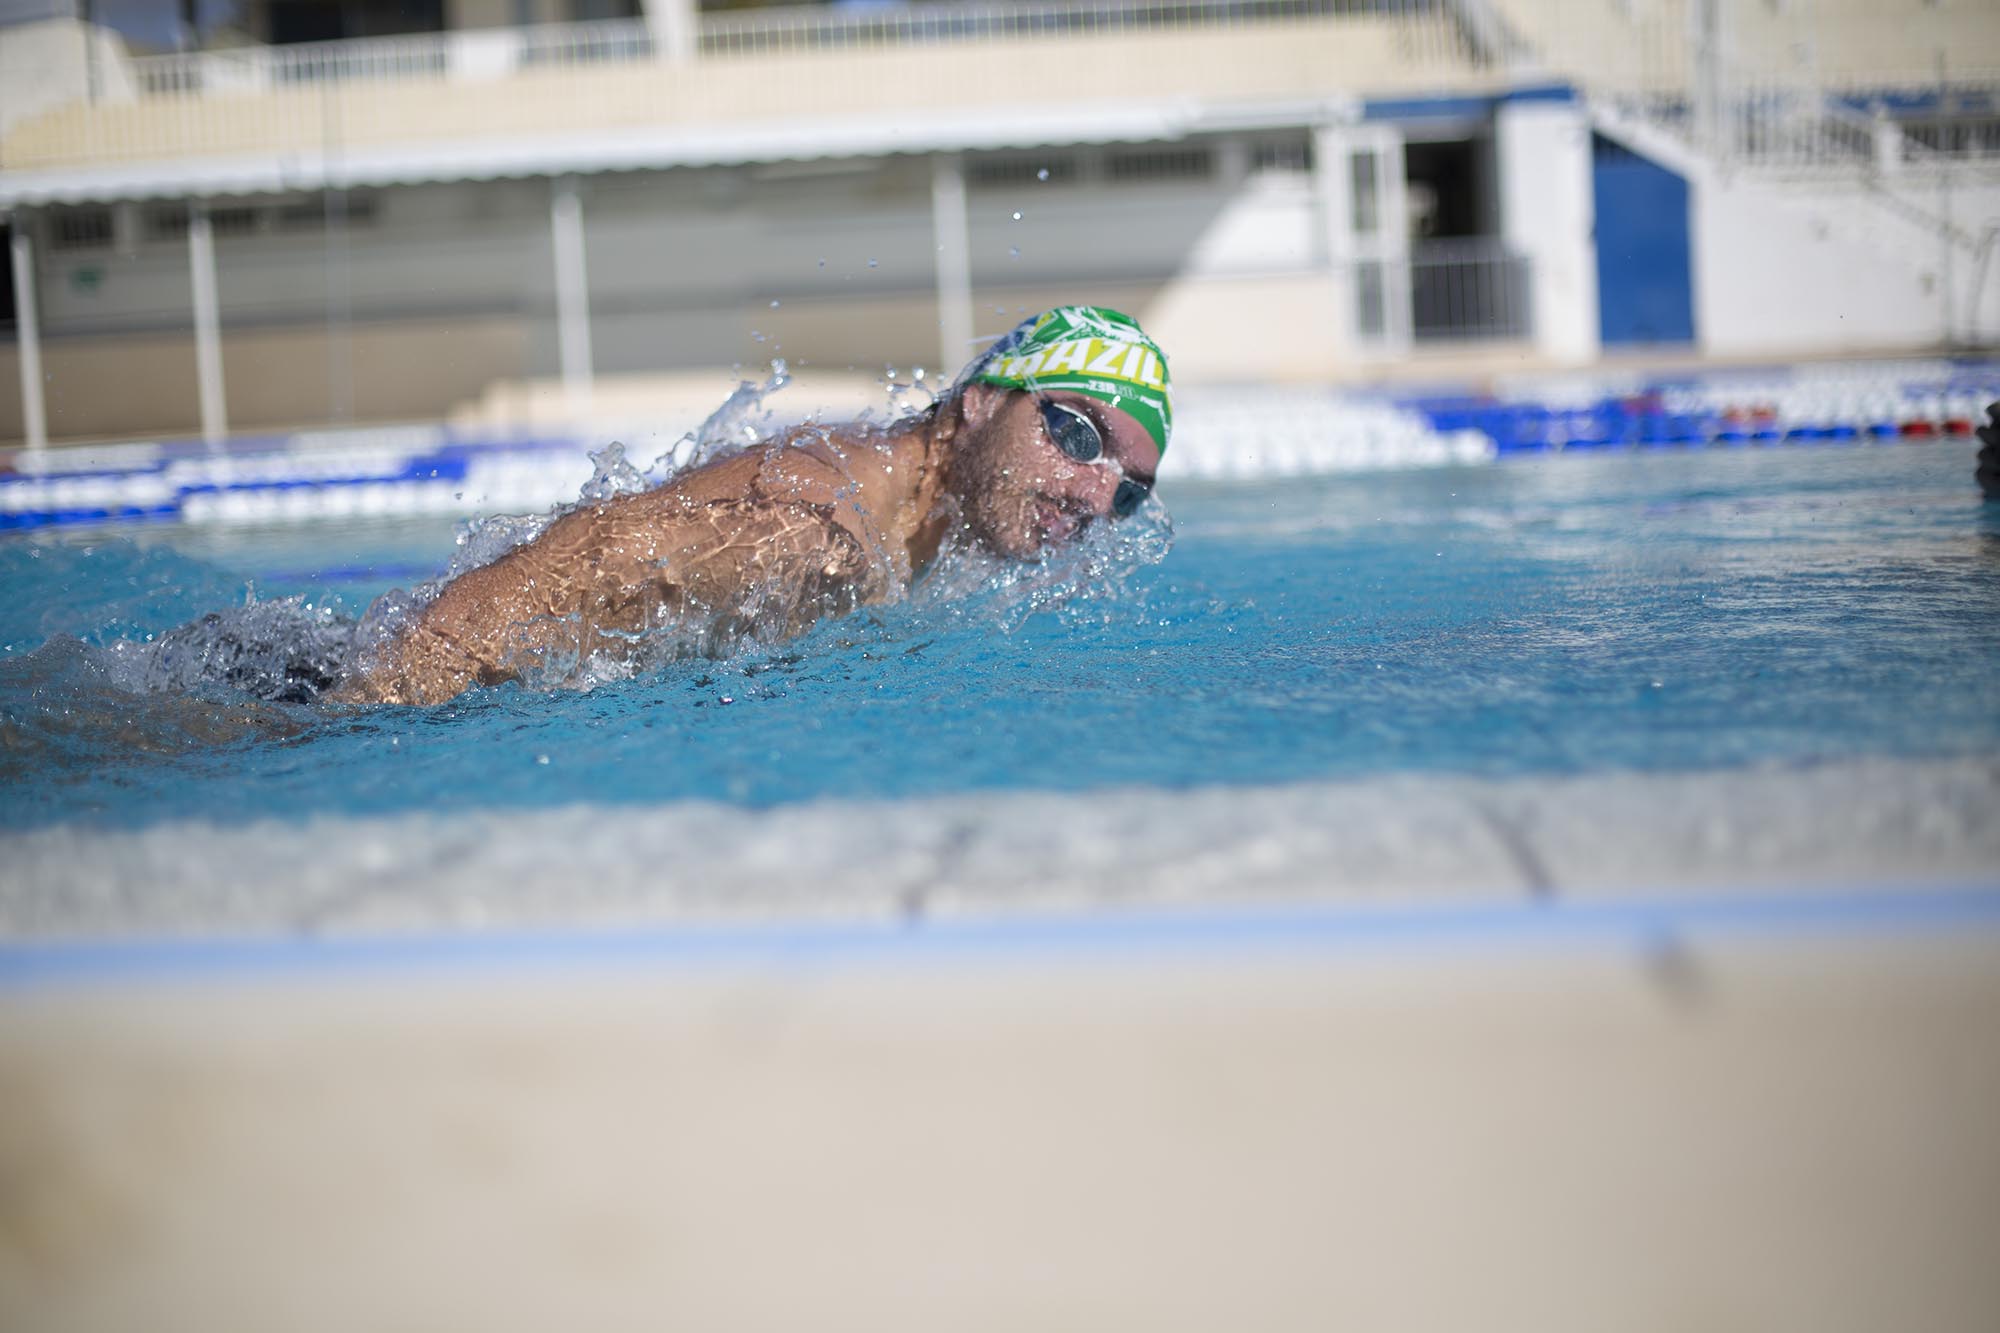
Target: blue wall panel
{"x": 1645, "y": 274}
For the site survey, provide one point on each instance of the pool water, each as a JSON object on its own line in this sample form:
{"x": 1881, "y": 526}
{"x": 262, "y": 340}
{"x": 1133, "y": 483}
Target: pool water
{"x": 1655, "y": 610}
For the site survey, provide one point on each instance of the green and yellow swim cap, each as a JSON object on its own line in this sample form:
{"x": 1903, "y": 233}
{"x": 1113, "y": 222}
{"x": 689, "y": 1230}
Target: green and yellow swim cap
{"x": 1089, "y": 350}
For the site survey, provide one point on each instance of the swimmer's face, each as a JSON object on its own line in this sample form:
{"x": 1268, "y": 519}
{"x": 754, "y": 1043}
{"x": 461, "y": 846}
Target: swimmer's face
{"x": 1018, "y": 491}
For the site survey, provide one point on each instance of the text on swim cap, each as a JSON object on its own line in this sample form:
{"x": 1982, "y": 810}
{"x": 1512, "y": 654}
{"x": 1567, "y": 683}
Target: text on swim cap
{"x": 1133, "y": 363}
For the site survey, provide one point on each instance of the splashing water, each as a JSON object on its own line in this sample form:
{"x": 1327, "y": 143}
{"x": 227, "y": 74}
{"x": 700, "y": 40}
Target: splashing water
{"x": 286, "y": 651}
{"x": 612, "y": 476}
{"x": 968, "y": 585}
{"x": 742, "y": 419}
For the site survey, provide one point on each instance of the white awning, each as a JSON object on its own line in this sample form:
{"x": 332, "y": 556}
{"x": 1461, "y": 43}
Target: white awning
{"x": 652, "y": 149}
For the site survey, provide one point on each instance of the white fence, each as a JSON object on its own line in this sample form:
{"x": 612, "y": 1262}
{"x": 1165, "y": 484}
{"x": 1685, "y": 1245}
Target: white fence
{"x": 1427, "y": 30}
{"x": 1433, "y": 25}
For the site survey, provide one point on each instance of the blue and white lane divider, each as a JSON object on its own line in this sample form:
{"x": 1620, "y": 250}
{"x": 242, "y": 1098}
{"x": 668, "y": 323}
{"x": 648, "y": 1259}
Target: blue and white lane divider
{"x": 289, "y": 479}
{"x": 1888, "y": 912}
{"x": 1247, "y": 432}
{"x": 401, "y": 473}
{"x": 1835, "y": 403}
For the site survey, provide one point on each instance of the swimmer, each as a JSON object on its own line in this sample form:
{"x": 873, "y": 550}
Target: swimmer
{"x": 1060, "y": 424}
{"x": 1987, "y": 473}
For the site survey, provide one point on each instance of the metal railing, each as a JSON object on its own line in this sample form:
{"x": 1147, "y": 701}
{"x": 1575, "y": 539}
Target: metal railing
{"x": 1849, "y": 125}
{"x": 1780, "y": 87}
{"x": 1468, "y": 289}
{"x": 809, "y": 27}
{"x": 1426, "y": 30}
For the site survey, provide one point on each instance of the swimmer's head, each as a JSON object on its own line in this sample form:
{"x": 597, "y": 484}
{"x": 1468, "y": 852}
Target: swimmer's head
{"x": 1088, "y": 350}
{"x": 1062, "y": 422}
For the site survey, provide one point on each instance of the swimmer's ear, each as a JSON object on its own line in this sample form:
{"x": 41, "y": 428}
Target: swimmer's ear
{"x": 978, "y": 402}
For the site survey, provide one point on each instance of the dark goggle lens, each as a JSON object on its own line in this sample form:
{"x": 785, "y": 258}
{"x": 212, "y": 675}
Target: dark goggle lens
{"x": 1074, "y": 433}
{"x": 1130, "y": 496}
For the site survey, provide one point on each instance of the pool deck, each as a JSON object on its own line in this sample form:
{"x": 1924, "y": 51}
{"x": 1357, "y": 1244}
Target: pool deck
{"x": 1401, "y": 841}
{"x": 1633, "y": 1052}
{"x": 1770, "y": 1128}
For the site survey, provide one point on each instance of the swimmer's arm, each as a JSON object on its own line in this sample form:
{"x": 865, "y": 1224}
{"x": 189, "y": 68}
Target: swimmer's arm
{"x": 746, "y": 564}
{"x": 460, "y": 639}
{"x": 481, "y": 623}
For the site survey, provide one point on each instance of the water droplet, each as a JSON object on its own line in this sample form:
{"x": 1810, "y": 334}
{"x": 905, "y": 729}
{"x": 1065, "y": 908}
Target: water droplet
{"x": 727, "y": 699}
{"x": 758, "y": 336}
{"x": 1013, "y": 252}
{"x": 1017, "y": 215}
{"x": 1042, "y": 175}
{"x": 871, "y": 263}
{"x": 541, "y": 759}
{"x": 774, "y": 305}
{"x": 822, "y": 263}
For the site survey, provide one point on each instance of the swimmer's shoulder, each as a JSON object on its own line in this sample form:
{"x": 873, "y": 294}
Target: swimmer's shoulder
{"x": 832, "y": 470}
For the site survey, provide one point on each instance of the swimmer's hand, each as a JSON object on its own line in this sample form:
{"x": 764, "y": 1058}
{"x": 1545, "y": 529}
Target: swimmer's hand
{"x": 1988, "y": 473}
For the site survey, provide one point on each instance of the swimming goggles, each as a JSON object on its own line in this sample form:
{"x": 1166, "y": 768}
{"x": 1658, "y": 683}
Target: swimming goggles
{"x": 1077, "y": 435}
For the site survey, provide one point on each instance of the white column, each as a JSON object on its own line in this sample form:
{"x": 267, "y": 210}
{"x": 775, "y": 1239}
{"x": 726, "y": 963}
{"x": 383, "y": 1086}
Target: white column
{"x": 207, "y": 324}
{"x": 572, "y": 294}
{"x": 28, "y": 335}
{"x": 674, "y": 25}
{"x": 953, "y": 236}
{"x": 1331, "y": 196}
{"x": 1391, "y": 244}
{"x": 1548, "y": 213}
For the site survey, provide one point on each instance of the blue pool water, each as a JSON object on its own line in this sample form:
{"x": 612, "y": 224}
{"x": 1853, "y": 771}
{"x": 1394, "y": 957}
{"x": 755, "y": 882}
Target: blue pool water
{"x": 1640, "y": 611}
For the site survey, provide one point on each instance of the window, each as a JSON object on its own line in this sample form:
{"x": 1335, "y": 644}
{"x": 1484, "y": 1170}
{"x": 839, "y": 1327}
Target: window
{"x": 1039, "y": 169}
{"x": 1159, "y": 164}
{"x": 1371, "y": 300}
{"x": 359, "y": 207}
{"x": 1281, "y": 155}
{"x": 233, "y": 221}
{"x": 300, "y": 214}
{"x": 166, "y": 222}
{"x": 1362, "y": 167}
{"x": 81, "y": 229}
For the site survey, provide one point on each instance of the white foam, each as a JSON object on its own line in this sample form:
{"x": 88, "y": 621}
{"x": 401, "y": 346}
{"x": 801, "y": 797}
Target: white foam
{"x": 1387, "y": 840}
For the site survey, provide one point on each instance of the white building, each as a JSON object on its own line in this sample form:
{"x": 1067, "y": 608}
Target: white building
{"x": 393, "y": 227}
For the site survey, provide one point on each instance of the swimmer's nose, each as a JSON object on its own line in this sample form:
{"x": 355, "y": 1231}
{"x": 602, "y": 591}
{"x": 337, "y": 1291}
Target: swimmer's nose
{"x": 1096, "y": 490}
